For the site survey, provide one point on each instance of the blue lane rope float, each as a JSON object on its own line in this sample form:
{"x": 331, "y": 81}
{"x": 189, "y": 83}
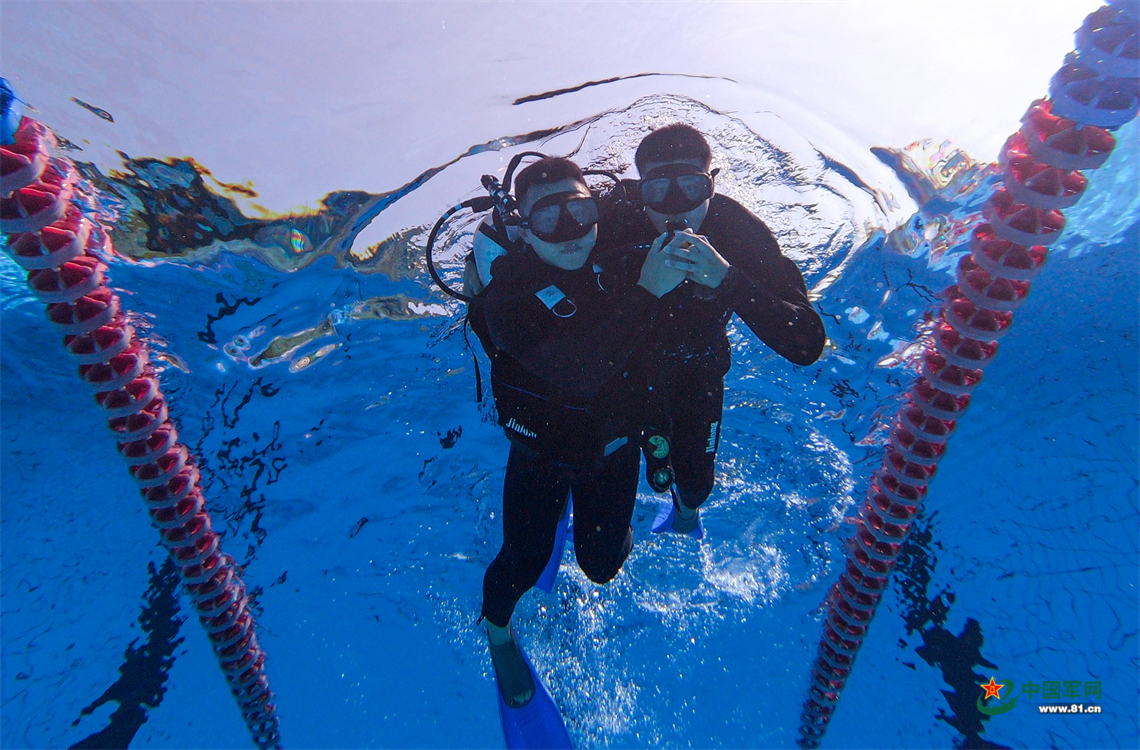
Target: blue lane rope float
{"x": 1096, "y": 89}
{"x": 60, "y": 248}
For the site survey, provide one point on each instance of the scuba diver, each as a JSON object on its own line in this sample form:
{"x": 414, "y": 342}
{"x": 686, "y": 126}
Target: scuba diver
{"x": 560, "y": 329}
{"x": 732, "y": 264}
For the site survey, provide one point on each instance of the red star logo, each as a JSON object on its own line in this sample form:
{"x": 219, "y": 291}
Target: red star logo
{"x": 992, "y": 689}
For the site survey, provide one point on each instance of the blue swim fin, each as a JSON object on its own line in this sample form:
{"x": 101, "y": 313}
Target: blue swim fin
{"x": 536, "y": 726}
{"x": 664, "y": 523}
{"x": 550, "y": 573}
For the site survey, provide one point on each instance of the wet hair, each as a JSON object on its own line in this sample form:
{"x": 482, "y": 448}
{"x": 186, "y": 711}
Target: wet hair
{"x": 545, "y": 171}
{"x": 673, "y": 143}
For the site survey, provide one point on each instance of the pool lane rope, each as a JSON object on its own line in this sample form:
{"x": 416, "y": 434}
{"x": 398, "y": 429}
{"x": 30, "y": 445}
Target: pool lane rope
{"x": 60, "y": 248}
{"x": 1095, "y": 90}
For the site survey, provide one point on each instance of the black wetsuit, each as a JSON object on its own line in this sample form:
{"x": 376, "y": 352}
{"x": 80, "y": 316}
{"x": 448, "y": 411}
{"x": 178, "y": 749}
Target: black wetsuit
{"x": 569, "y": 397}
{"x": 688, "y": 352}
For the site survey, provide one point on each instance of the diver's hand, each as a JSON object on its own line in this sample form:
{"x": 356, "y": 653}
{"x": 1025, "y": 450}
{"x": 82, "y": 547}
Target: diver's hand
{"x": 657, "y": 276}
{"x": 695, "y": 255}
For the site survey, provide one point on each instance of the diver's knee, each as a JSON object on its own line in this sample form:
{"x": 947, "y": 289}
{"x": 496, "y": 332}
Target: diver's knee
{"x": 603, "y": 566}
{"x": 601, "y": 573}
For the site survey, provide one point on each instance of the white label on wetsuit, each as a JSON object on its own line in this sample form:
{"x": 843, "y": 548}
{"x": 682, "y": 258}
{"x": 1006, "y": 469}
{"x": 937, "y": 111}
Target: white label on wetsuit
{"x": 712, "y": 438}
{"x": 615, "y": 444}
{"x": 550, "y": 296}
{"x": 513, "y": 425}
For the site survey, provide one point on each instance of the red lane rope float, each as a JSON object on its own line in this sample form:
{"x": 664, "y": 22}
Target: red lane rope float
{"x": 1041, "y": 165}
{"x": 23, "y": 161}
{"x": 1059, "y": 141}
{"x": 42, "y": 201}
{"x": 51, "y": 239}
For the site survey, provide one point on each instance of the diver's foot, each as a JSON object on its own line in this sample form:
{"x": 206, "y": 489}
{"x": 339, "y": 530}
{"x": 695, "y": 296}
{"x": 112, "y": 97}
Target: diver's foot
{"x": 515, "y": 682}
{"x": 685, "y": 520}
{"x": 678, "y": 518}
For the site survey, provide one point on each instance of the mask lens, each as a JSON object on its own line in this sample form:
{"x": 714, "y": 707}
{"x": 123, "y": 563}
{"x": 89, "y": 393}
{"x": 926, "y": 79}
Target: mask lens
{"x": 696, "y": 187}
{"x": 543, "y": 220}
{"x": 676, "y": 188}
{"x": 562, "y": 217}
{"x": 654, "y": 191}
{"x": 584, "y": 211}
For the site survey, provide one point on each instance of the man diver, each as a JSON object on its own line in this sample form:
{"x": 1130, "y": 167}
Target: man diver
{"x": 732, "y": 264}
{"x": 560, "y": 328}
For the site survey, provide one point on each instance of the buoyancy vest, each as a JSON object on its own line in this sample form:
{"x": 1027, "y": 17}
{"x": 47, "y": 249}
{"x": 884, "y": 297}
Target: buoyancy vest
{"x": 534, "y": 413}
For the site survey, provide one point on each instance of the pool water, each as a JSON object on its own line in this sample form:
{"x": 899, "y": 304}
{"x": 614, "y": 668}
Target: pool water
{"x": 327, "y": 390}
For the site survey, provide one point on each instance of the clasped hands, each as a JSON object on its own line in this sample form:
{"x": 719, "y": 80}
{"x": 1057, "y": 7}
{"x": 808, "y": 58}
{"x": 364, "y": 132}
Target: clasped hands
{"x": 686, "y": 255}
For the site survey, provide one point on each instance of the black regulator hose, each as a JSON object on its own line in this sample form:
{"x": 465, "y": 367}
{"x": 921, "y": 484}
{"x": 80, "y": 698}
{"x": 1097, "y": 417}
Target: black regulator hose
{"x": 500, "y": 199}
{"x": 513, "y": 164}
{"x": 478, "y": 205}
